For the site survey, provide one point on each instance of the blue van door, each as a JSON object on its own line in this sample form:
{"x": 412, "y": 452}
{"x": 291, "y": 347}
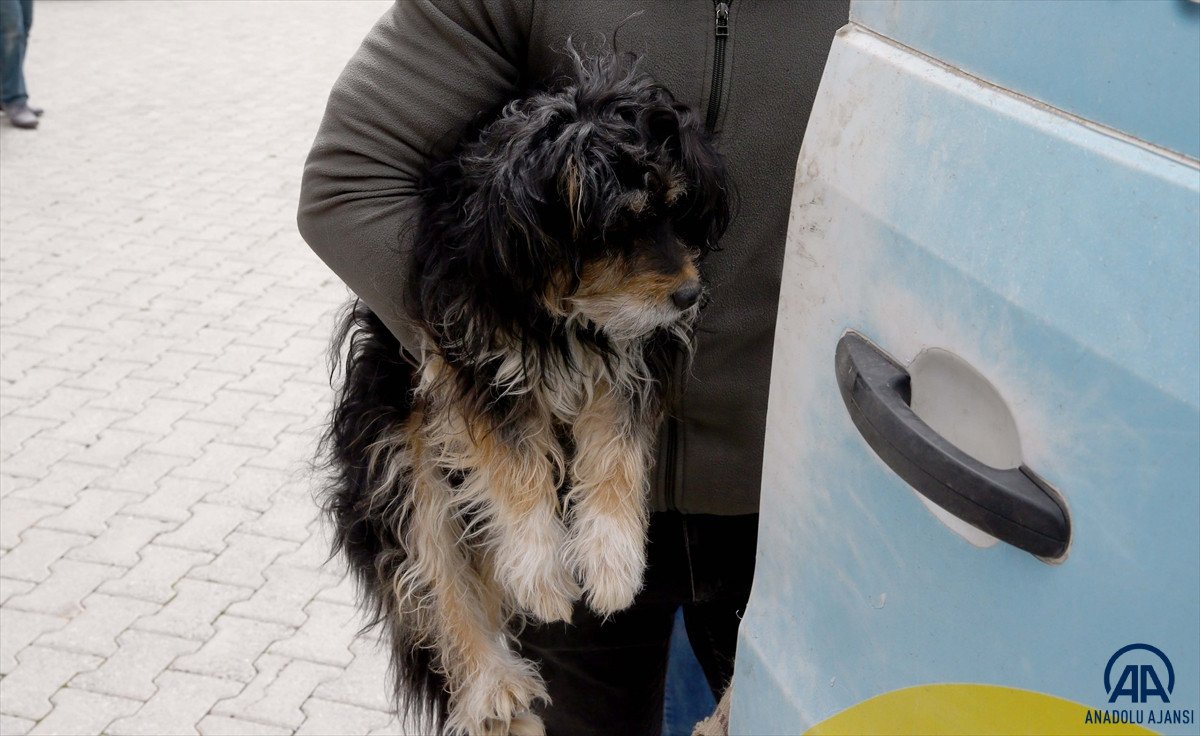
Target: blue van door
{"x": 981, "y": 499}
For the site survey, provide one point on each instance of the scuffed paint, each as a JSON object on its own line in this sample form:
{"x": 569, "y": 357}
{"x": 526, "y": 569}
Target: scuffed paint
{"x": 935, "y": 211}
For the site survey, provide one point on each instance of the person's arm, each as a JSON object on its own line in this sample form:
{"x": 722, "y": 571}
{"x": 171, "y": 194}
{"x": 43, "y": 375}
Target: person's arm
{"x": 426, "y": 69}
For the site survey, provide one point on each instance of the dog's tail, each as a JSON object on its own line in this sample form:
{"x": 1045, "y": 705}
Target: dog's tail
{"x": 367, "y": 497}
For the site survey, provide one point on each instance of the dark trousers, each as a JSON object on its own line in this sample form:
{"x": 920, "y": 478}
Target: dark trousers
{"x": 607, "y": 677}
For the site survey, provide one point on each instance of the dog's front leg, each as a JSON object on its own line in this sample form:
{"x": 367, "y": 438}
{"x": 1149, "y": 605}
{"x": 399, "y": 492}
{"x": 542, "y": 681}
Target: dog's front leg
{"x": 606, "y": 543}
{"x": 460, "y": 610}
{"x": 514, "y": 485}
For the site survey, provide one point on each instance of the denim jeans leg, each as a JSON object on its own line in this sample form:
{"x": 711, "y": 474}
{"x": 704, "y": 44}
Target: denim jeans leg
{"x": 687, "y": 699}
{"x": 16, "y": 16}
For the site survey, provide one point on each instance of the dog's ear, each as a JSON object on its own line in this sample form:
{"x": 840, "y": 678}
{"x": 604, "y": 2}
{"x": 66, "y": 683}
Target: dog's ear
{"x": 514, "y": 239}
{"x": 709, "y": 201}
{"x": 489, "y": 211}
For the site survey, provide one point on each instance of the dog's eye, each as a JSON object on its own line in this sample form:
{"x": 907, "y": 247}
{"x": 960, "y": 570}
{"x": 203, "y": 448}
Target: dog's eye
{"x": 629, "y": 170}
{"x": 662, "y": 125}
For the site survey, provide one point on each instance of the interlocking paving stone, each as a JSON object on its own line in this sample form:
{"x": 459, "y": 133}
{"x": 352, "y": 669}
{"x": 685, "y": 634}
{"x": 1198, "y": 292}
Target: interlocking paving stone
{"x": 155, "y": 576}
{"x": 142, "y": 470}
{"x": 187, "y": 438}
{"x": 62, "y": 485}
{"x": 163, "y": 383}
{"x": 95, "y": 630}
{"x": 158, "y": 415}
{"x": 38, "y": 550}
{"x": 83, "y": 712}
{"x": 207, "y": 529}
{"x": 19, "y": 515}
{"x": 20, "y": 629}
{"x": 39, "y": 454}
{"x": 395, "y": 727}
{"x": 262, "y": 429}
{"x": 122, "y": 542}
{"x": 266, "y": 670}
{"x": 364, "y": 682}
{"x": 326, "y": 717}
{"x": 39, "y": 673}
{"x": 173, "y": 499}
{"x": 191, "y": 612}
{"x": 226, "y": 726}
{"x": 243, "y": 560}
{"x": 9, "y": 485}
{"x": 86, "y": 425}
{"x": 290, "y": 515}
{"x": 14, "y": 726}
{"x": 141, "y": 657}
{"x": 106, "y": 374}
{"x": 253, "y": 488}
{"x": 63, "y": 592}
{"x": 278, "y": 702}
{"x": 131, "y": 395}
{"x": 182, "y": 700}
{"x": 231, "y": 653}
{"x": 220, "y": 461}
{"x": 292, "y": 451}
{"x": 325, "y": 637}
{"x": 344, "y": 593}
{"x": 64, "y": 402}
{"x": 283, "y": 598}
{"x": 10, "y": 587}
{"x": 313, "y": 554}
{"x": 90, "y": 511}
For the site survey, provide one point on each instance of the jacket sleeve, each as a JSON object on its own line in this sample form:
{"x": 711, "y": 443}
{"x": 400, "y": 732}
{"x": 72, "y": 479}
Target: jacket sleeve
{"x": 425, "y": 70}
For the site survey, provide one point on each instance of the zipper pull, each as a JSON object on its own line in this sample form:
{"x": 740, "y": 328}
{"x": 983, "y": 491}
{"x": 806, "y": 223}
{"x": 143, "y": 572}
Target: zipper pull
{"x": 722, "y": 20}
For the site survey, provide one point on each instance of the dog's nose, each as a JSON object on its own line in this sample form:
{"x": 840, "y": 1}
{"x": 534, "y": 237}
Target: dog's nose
{"x": 687, "y": 295}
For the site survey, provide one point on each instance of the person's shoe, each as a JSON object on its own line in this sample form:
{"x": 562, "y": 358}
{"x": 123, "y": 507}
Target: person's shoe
{"x": 35, "y": 109}
{"x": 21, "y": 116}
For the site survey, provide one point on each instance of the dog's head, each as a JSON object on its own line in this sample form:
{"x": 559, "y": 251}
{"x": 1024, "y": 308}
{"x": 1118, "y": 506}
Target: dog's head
{"x": 589, "y": 203}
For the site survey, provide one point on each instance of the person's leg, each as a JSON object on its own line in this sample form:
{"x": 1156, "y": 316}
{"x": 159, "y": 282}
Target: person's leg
{"x": 686, "y": 698}
{"x": 721, "y": 550}
{"x": 607, "y": 677}
{"x": 13, "y": 30}
{"x": 27, "y": 15}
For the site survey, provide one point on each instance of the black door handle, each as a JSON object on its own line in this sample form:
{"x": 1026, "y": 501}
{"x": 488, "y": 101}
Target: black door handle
{"x": 1014, "y": 505}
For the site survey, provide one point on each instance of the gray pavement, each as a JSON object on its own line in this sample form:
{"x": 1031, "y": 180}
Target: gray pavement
{"x": 162, "y": 328}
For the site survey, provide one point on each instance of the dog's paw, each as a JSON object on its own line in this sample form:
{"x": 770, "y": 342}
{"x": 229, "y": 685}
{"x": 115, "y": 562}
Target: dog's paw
{"x": 609, "y": 556}
{"x": 526, "y": 724}
{"x": 523, "y": 724}
{"x": 531, "y": 568}
{"x": 499, "y": 703}
{"x": 547, "y": 594}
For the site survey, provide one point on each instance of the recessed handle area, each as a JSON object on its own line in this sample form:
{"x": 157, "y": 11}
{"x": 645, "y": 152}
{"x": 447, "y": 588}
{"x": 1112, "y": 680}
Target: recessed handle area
{"x": 1014, "y": 505}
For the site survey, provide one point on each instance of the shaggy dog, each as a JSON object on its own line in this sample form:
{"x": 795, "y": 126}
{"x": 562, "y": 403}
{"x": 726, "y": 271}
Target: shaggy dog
{"x": 504, "y": 474}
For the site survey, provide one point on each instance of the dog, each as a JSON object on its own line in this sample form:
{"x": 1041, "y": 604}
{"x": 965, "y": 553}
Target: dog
{"x": 502, "y": 474}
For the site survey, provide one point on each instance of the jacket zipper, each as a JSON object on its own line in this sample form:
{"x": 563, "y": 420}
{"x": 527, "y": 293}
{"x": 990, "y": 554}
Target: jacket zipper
{"x": 718, "y": 75}
{"x": 671, "y": 456}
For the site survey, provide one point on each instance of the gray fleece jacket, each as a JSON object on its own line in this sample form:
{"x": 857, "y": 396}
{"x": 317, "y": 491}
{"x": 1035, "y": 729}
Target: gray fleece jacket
{"x": 751, "y": 67}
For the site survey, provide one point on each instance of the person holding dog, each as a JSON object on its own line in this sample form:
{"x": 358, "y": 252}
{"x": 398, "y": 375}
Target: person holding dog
{"x": 426, "y": 71}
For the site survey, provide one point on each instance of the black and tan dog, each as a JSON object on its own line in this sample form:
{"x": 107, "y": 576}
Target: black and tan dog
{"x": 504, "y": 473}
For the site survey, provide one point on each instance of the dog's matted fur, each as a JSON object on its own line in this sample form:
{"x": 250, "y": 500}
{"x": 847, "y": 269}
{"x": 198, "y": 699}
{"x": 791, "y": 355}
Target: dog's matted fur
{"x": 504, "y": 474}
